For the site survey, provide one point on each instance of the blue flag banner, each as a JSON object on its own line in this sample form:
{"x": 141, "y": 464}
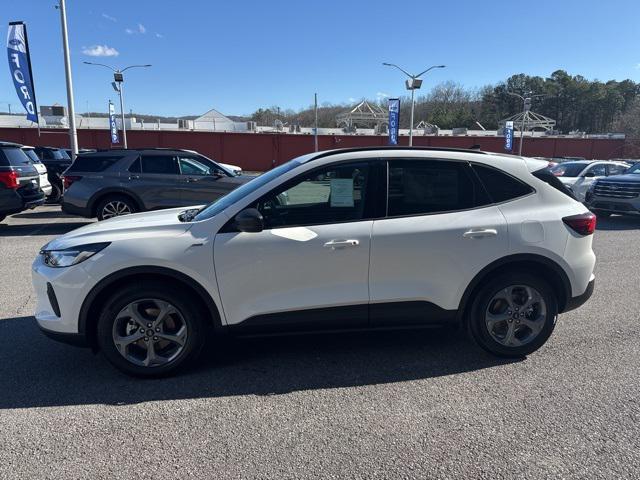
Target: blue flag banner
{"x": 394, "y": 120}
{"x": 113, "y": 127}
{"x": 508, "y": 136}
{"x": 20, "y": 67}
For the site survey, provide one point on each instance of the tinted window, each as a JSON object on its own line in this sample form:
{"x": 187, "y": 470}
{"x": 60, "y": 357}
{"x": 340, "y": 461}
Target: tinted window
{"x": 135, "y": 166}
{"x": 190, "y": 166}
{"x": 14, "y": 157}
{"x": 597, "y": 171}
{"x": 616, "y": 169}
{"x": 32, "y": 155}
{"x": 500, "y": 186}
{"x": 547, "y": 176}
{"x": 166, "y": 164}
{"x": 92, "y": 163}
{"x": 330, "y": 195}
{"x": 432, "y": 186}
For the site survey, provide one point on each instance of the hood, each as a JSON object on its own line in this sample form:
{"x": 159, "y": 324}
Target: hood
{"x": 145, "y": 225}
{"x": 629, "y": 178}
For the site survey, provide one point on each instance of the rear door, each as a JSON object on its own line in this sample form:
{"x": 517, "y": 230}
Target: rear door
{"x": 441, "y": 229}
{"x": 158, "y": 183}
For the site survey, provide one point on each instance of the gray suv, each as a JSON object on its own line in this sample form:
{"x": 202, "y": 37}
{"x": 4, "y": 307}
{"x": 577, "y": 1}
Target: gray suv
{"x": 118, "y": 182}
{"x": 616, "y": 194}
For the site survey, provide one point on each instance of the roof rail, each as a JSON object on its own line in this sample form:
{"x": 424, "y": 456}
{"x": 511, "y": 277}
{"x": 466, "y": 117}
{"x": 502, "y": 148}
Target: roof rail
{"x": 399, "y": 147}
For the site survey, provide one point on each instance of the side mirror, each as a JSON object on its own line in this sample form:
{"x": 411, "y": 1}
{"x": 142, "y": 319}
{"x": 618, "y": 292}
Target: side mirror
{"x": 590, "y": 174}
{"x": 249, "y": 220}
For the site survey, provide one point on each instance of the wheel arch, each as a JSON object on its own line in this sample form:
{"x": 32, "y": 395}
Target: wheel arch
{"x": 550, "y": 270}
{"x": 100, "y": 195}
{"x": 93, "y": 302}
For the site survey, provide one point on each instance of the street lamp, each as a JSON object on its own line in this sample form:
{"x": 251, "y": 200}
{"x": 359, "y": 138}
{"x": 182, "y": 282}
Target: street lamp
{"x": 413, "y": 83}
{"x": 117, "y": 86}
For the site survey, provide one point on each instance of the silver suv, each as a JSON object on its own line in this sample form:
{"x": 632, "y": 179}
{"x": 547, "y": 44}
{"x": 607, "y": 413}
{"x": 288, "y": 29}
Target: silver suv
{"x": 118, "y": 182}
{"x": 616, "y": 194}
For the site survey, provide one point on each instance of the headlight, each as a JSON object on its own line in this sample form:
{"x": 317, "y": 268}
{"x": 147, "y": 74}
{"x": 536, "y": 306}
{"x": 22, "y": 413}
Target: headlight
{"x": 70, "y": 256}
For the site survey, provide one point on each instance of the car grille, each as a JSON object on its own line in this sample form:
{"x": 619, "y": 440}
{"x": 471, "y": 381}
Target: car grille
{"x": 607, "y": 188}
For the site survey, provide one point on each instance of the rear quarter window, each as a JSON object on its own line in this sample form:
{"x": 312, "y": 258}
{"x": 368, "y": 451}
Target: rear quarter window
{"x": 500, "y": 186}
{"x": 93, "y": 164}
{"x": 547, "y": 176}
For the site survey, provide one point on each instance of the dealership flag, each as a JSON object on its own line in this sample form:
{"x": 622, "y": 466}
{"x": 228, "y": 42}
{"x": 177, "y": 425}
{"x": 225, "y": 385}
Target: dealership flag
{"x": 394, "y": 120}
{"x": 508, "y": 136}
{"x": 20, "y": 67}
{"x": 113, "y": 127}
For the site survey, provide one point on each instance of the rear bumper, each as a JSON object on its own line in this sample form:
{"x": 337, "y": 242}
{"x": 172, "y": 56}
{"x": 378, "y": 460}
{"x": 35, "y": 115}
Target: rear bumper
{"x": 15, "y": 201}
{"x": 580, "y": 300}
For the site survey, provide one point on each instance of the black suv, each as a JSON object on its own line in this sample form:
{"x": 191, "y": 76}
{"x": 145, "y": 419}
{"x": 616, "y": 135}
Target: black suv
{"x": 19, "y": 185}
{"x": 57, "y": 161}
{"x": 109, "y": 183}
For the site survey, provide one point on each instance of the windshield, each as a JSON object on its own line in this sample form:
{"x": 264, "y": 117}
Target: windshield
{"x": 239, "y": 193}
{"x": 635, "y": 169}
{"x": 60, "y": 155}
{"x": 568, "y": 169}
{"x": 31, "y": 154}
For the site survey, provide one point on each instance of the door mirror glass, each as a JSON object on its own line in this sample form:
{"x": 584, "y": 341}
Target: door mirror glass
{"x": 590, "y": 174}
{"x": 249, "y": 220}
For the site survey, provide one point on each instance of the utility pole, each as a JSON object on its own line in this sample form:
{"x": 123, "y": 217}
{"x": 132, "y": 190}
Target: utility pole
{"x": 315, "y": 130}
{"x": 73, "y": 134}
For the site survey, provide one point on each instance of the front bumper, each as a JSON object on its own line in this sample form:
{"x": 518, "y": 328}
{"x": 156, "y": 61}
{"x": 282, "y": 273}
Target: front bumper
{"x": 75, "y": 339}
{"x": 613, "y": 205}
{"x": 580, "y": 300}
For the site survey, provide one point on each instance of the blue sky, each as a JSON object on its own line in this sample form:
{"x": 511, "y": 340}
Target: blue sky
{"x": 236, "y": 56}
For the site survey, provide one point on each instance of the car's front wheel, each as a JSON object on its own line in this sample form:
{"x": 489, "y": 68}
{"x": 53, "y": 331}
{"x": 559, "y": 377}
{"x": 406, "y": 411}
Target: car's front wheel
{"x": 150, "y": 331}
{"x": 513, "y": 314}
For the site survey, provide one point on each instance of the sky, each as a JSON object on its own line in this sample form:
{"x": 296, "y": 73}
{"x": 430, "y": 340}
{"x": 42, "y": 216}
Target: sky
{"x": 237, "y": 56}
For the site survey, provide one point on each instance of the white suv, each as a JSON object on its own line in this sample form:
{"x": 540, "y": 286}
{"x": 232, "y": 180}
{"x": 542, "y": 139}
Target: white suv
{"x": 347, "y": 239}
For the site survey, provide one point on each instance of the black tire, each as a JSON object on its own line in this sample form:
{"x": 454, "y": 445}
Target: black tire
{"x": 114, "y": 200}
{"x": 477, "y": 325}
{"x": 184, "y": 303}
{"x": 56, "y": 194}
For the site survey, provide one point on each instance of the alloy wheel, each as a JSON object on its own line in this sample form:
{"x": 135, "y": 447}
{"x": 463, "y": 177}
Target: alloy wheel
{"x": 516, "y": 315}
{"x": 150, "y": 332}
{"x": 115, "y": 208}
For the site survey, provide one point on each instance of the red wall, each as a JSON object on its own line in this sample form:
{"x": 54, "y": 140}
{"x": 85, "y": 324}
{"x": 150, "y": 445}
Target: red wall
{"x": 261, "y": 151}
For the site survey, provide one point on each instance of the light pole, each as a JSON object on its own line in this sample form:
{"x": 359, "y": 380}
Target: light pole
{"x": 73, "y": 135}
{"x": 118, "y": 82}
{"x": 526, "y": 106}
{"x": 413, "y": 83}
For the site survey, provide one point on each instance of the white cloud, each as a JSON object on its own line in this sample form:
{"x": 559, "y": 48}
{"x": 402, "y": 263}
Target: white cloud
{"x": 129, "y": 31}
{"x": 159, "y": 35}
{"x": 100, "y": 51}
{"x": 109, "y": 17}
{"x": 382, "y": 95}
{"x": 142, "y": 28}
{"x": 638, "y": 66}
{"x": 351, "y": 99}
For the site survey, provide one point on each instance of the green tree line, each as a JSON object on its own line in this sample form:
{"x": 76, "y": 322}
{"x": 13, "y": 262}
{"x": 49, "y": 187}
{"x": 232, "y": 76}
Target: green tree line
{"x": 574, "y": 102}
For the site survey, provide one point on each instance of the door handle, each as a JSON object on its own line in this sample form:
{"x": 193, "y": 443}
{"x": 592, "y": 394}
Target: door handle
{"x": 480, "y": 233}
{"x": 335, "y": 244}
{"x": 134, "y": 177}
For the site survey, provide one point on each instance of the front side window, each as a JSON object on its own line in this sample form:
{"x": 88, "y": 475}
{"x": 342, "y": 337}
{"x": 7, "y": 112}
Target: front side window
{"x": 616, "y": 169}
{"x": 418, "y": 187}
{"x": 597, "y": 171}
{"x": 330, "y": 195}
{"x": 162, "y": 164}
{"x": 190, "y": 166}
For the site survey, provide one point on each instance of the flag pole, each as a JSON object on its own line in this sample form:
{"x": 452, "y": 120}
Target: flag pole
{"x": 33, "y": 82}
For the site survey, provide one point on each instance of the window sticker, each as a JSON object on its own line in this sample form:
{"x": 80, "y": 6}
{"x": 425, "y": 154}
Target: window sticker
{"x": 342, "y": 192}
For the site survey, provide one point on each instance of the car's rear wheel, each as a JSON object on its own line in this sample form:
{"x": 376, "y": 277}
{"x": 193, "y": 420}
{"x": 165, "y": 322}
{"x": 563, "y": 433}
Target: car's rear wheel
{"x": 114, "y": 206}
{"x": 513, "y": 314}
{"x": 150, "y": 331}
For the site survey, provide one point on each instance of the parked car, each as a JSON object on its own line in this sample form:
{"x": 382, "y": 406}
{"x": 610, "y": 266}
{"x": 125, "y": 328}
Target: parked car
{"x": 236, "y": 170}
{"x": 616, "y": 194}
{"x": 19, "y": 186}
{"x": 578, "y": 176}
{"x": 345, "y": 239}
{"x": 81, "y": 151}
{"x": 57, "y": 161}
{"x": 44, "y": 183}
{"x": 119, "y": 182}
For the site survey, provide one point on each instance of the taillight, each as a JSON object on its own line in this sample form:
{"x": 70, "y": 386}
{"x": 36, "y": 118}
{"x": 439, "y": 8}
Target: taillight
{"x": 10, "y": 179}
{"x": 69, "y": 179}
{"x": 583, "y": 224}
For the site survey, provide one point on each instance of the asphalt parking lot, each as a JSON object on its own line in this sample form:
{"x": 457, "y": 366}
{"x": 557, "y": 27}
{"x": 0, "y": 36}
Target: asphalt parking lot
{"x": 380, "y": 405}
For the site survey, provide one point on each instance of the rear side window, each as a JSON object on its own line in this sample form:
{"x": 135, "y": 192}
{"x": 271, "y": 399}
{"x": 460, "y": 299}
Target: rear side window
{"x": 547, "y": 176}
{"x": 165, "y": 164}
{"x": 432, "y": 186}
{"x": 92, "y": 164}
{"x": 14, "y": 157}
{"x": 500, "y": 186}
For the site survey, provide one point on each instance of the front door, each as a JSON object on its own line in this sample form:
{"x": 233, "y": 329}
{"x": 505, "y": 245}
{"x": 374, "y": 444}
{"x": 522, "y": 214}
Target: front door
{"x": 309, "y": 267}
